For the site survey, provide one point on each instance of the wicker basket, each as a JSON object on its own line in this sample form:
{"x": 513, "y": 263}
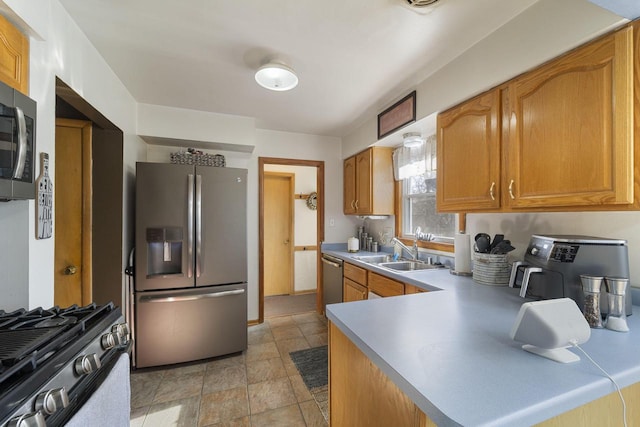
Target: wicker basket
{"x": 199, "y": 159}
{"x": 491, "y": 269}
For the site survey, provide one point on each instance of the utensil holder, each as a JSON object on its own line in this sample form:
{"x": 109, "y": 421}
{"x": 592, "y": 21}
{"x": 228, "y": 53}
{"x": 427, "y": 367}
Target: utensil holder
{"x": 491, "y": 269}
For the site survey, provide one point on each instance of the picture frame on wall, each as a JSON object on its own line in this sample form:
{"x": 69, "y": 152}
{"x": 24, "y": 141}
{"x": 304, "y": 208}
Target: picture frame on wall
{"x": 398, "y": 115}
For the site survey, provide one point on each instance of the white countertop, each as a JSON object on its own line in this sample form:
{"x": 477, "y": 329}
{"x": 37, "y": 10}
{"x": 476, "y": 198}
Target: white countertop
{"x": 450, "y": 352}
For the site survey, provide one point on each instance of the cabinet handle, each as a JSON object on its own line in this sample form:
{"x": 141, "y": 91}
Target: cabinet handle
{"x": 356, "y": 205}
{"x": 352, "y": 204}
{"x": 511, "y": 190}
{"x": 493, "y": 185}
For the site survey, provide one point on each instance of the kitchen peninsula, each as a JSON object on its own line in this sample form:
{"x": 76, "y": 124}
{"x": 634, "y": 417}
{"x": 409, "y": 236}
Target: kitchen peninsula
{"x": 445, "y": 358}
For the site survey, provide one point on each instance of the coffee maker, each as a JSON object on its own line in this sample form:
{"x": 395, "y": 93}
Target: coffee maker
{"x": 553, "y": 264}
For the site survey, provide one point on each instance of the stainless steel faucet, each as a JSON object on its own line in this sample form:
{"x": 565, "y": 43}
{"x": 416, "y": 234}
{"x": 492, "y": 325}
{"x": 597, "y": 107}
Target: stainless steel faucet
{"x": 412, "y": 251}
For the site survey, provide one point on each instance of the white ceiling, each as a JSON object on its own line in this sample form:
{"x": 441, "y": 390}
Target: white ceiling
{"x": 354, "y": 58}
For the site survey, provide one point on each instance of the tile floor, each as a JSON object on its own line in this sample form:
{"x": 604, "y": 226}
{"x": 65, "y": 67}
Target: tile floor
{"x": 259, "y": 387}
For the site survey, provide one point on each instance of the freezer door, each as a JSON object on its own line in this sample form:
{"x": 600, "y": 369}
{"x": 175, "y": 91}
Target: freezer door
{"x": 187, "y": 325}
{"x": 164, "y": 226}
{"x": 221, "y": 226}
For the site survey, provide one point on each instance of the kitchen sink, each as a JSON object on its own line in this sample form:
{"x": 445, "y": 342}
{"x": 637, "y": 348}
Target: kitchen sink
{"x": 373, "y": 259}
{"x": 409, "y": 265}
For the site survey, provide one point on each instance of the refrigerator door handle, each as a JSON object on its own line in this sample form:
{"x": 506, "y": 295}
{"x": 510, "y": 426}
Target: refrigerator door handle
{"x": 164, "y": 298}
{"x": 190, "y": 227}
{"x": 198, "y": 223}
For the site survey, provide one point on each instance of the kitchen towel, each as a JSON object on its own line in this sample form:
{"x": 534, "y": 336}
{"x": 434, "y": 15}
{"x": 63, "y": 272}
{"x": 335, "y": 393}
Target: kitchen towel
{"x": 462, "y": 253}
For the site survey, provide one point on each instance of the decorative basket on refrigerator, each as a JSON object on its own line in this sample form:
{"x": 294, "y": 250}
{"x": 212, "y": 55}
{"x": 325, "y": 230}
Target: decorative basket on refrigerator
{"x": 192, "y": 157}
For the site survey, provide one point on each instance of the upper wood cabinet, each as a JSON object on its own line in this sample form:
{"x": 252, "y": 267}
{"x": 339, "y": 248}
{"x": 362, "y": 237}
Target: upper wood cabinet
{"x": 14, "y": 57}
{"x": 559, "y": 137}
{"x": 368, "y": 183}
{"x": 571, "y": 128}
{"x": 469, "y": 155}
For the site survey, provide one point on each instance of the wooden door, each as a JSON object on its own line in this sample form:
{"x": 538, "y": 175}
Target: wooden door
{"x": 349, "y": 195}
{"x": 364, "y": 173}
{"x": 278, "y": 233}
{"x": 469, "y": 155}
{"x": 571, "y": 129}
{"x": 72, "y": 223}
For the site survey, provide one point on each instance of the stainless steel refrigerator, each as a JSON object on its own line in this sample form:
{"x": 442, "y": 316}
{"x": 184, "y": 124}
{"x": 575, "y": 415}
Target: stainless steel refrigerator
{"x": 190, "y": 284}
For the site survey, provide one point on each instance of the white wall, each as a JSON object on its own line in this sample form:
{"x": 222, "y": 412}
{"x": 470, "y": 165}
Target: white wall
{"x": 59, "y": 48}
{"x": 305, "y": 226}
{"x": 284, "y": 145}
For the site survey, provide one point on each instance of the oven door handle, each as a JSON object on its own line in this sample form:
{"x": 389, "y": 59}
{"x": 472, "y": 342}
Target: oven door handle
{"x": 181, "y": 298}
{"x": 21, "y": 156}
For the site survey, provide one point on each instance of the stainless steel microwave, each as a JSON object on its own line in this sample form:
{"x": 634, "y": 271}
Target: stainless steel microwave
{"x": 17, "y": 144}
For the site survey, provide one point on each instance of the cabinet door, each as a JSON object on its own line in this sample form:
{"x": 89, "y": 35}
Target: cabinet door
{"x": 469, "y": 155}
{"x": 14, "y": 57}
{"x": 570, "y": 129}
{"x": 353, "y": 291}
{"x": 349, "y": 194}
{"x": 364, "y": 174}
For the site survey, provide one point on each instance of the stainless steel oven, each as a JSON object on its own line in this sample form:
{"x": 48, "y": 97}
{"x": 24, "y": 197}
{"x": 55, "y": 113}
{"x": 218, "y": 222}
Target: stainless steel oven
{"x": 17, "y": 144}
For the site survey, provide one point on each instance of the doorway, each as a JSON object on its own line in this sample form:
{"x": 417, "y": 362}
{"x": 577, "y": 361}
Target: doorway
{"x": 308, "y": 252}
{"x": 103, "y": 261}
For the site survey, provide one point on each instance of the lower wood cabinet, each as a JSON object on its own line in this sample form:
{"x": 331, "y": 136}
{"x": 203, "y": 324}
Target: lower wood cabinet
{"x": 360, "y": 394}
{"x": 412, "y": 289}
{"x": 384, "y": 286}
{"x": 352, "y": 291}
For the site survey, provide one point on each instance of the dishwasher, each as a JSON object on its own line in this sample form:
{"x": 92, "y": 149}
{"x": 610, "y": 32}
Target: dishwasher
{"x": 331, "y": 279}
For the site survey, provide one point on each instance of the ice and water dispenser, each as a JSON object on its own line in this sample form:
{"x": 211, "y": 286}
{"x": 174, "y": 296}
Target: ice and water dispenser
{"x": 164, "y": 251}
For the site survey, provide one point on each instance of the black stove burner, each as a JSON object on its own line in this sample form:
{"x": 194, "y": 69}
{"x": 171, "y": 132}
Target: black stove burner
{"x": 35, "y": 344}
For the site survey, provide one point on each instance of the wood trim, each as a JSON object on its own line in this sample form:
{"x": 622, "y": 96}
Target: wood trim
{"x": 462, "y": 223}
{"x": 319, "y": 164}
{"x": 305, "y": 248}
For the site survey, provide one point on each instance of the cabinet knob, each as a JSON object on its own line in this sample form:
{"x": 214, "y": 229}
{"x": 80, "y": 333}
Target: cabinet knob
{"x": 511, "y": 190}
{"x": 493, "y": 185}
{"x": 70, "y": 270}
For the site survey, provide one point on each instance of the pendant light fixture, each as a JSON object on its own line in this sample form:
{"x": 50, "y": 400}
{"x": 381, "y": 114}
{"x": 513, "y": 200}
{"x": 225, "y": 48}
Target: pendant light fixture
{"x": 275, "y": 75}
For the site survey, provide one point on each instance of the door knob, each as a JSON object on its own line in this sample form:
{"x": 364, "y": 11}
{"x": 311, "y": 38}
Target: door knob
{"x": 70, "y": 269}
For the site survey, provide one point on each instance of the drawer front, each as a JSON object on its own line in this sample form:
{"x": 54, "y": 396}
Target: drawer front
{"x": 356, "y": 274}
{"x": 412, "y": 289}
{"x": 384, "y": 286}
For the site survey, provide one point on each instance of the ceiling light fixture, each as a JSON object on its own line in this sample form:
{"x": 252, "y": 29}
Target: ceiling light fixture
{"x": 274, "y": 75}
{"x": 412, "y": 139}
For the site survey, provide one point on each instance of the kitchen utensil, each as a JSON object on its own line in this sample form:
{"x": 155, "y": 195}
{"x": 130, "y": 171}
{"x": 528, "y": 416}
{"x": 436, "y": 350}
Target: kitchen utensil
{"x": 502, "y": 247}
{"x": 591, "y": 289}
{"x": 496, "y": 239}
{"x": 616, "y": 317}
{"x": 483, "y": 243}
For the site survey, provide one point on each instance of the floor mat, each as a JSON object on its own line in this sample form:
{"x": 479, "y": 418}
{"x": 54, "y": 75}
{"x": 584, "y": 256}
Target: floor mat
{"x": 313, "y": 365}
{"x": 286, "y": 305}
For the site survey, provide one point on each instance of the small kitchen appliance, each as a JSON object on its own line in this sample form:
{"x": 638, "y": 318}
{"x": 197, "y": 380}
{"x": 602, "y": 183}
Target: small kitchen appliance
{"x": 553, "y": 264}
{"x": 17, "y": 144}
